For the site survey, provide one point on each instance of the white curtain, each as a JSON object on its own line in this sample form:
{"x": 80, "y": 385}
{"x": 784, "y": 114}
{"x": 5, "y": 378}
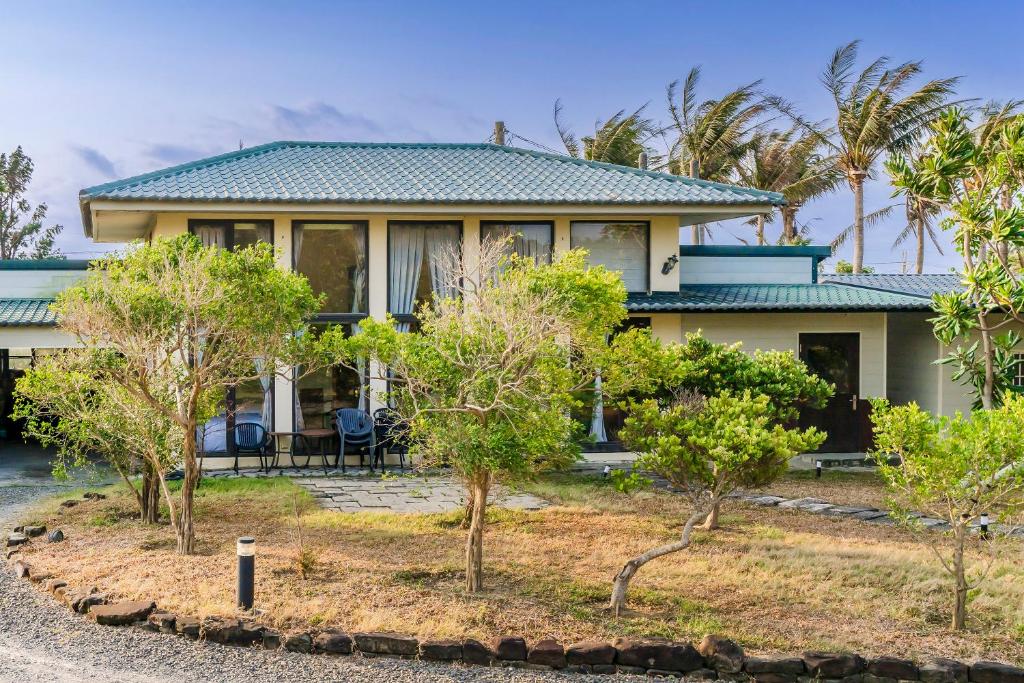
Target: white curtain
{"x": 532, "y": 241}
{"x": 264, "y": 233}
{"x": 300, "y": 421}
{"x": 296, "y": 243}
{"x": 406, "y": 260}
{"x": 211, "y": 235}
{"x": 597, "y": 419}
{"x": 442, "y": 243}
{"x": 266, "y": 381}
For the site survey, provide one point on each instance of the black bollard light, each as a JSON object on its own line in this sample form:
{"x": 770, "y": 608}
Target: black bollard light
{"x": 246, "y": 550}
{"x": 984, "y": 527}
{"x": 817, "y": 469}
{"x": 606, "y": 471}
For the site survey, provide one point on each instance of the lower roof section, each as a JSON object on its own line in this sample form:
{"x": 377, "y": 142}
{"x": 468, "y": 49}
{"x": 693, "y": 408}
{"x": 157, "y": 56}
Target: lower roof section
{"x": 26, "y": 312}
{"x": 767, "y": 297}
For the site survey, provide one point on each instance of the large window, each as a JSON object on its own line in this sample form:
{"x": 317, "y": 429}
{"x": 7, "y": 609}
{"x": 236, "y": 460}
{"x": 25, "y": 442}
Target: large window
{"x": 617, "y": 246}
{"x": 421, "y": 262}
{"x": 527, "y": 240}
{"x": 232, "y": 234}
{"x": 319, "y": 394}
{"x": 333, "y": 256}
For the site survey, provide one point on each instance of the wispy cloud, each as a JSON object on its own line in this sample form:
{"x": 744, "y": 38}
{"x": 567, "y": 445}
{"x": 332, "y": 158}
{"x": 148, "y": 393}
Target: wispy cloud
{"x": 320, "y": 119}
{"x": 172, "y": 154}
{"x": 95, "y": 160}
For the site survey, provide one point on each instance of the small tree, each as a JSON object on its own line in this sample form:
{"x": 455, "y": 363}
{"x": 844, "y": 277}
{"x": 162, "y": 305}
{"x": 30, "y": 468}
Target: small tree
{"x": 954, "y": 469}
{"x": 711, "y": 370}
{"x": 487, "y": 383}
{"x": 29, "y": 239}
{"x": 187, "y": 323}
{"x": 68, "y": 404}
{"x": 706, "y": 448}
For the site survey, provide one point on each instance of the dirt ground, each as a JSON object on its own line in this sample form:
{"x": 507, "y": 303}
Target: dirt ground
{"x": 778, "y": 581}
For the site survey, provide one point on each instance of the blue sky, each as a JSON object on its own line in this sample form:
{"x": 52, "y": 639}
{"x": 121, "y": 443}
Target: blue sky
{"x": 100, "y": 90}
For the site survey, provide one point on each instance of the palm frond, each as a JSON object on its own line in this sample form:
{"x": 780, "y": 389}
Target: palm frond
{"x": 870, "y": 220}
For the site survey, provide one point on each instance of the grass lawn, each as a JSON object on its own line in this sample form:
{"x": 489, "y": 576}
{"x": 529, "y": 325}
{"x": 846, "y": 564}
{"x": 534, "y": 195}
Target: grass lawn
{"x": 778, "y": 581}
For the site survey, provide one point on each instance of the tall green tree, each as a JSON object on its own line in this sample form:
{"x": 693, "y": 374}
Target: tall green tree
{"x": 789, "y": 162}
{"x": 22, "y": 234}
{"x": 619, "y": 139}
{"x": 921, "y": 215}
{"x": 712, "y": 135}
{"x": 185, "y": 323}
{"x": 976, "y": 176}
{"x": 878, "y": 112}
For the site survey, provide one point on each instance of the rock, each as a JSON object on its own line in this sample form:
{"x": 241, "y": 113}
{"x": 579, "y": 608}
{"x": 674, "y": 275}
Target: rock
{"x": 872, "y": 678}
{"x": 39, "y": 577}
{"x": 658, "y": 673}
{"x": 993, "y": 672}
{"x": 653, "y": 654}
{"x": 333, "y": 643}
{"x": 702, "y": 675}
{"x": 187, "y": 626}
{"x": 604, "y": 669}
{"x": 249, "y": 633}
{"x": 785, "y": 665}
{"x": 387, "y": 644}
{"x": 299, "y": 642}
{"x": 802, "y": 503}
{"x": 22, "y": 569}
{"x": 70, "y": 503}
{"x": 34, "y": 531}
{"x": 891, "y": 667}
{"x": 509, "y": 648}
{"x": 633, "y": 670}
{"x": 590, "y": 652}
{"x": 122, "y": 613}
{"x": 548, "y": 652}
{"x": 775, "y": 677}
{"x": 271, "y": 639}
{"x": 475, "y": 652}
{"x": 16, "y": 539}
{"x": 722, "y": 654}
{"x": 441, "y": 650}
{"x": 10, "y": 553}
{"x": 943, "y": 671}
{"x": 231, "y": 631}
{"x": 53, "y": 584}
{"x": 161, "y": 621}
{"x": 18, "y": 529}
{"x": 832, "y": 664}
{"x": 56, "y": 536}
{"x": 90, "y": 601}
{"x": 93, "y": 495}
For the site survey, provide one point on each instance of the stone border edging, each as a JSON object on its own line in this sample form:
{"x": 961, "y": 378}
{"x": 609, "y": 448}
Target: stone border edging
{"x": 715, "y": 657}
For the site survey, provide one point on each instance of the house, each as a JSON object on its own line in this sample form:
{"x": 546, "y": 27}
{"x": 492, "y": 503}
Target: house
{"x": 365, "y": 223}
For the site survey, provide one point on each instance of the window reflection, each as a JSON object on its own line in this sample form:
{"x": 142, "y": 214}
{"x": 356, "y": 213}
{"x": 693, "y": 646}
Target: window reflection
{"x": 616, "y": 246}
{"x": 333, "y": 257}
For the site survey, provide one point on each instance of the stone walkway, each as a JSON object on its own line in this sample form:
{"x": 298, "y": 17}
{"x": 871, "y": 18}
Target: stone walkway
{"x": 404, "y": 494}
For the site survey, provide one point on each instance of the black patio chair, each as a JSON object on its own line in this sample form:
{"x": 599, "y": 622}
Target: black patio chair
{"x": 355, "y": 430}
{"x": 251, "y": 438}
{"x": 392, "y": 436}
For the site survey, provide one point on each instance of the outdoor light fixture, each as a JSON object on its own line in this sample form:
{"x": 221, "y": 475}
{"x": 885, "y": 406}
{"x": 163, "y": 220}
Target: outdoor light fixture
{"x": 607, "y": 470}
{"x": 669, "y": 264}
{"x": 984, "y": 527}
{"x": 246, "y": 551}
{"x": 817, "y": 469}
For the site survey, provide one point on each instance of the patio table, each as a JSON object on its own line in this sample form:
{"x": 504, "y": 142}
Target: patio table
{"x": 322, "y": 436}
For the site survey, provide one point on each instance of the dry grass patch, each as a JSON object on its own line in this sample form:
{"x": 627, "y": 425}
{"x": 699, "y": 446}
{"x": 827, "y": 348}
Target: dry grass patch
{"x": 778, "y": 581}
{"x": 836, "y": 486}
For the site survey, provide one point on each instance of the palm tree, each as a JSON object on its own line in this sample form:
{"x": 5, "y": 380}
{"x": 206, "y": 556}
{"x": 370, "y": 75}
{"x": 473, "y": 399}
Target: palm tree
{"x": 618, "y": 140}
{"x": 713, "y": 135}
{"x": 788, "y": 162}
{"x": 875, "y": 115}
{"x": 921, "y": 215}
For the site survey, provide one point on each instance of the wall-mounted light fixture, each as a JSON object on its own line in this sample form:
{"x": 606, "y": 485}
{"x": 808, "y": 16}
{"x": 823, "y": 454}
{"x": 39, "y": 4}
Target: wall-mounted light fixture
{"x": 669, "y": 264}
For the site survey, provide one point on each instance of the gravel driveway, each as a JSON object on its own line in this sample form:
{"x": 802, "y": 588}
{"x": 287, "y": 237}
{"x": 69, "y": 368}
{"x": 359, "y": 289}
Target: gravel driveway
{"x": 41, "y": 642}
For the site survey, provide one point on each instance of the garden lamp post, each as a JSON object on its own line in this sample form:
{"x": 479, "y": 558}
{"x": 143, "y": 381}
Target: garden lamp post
{"x": 246, "y": 551}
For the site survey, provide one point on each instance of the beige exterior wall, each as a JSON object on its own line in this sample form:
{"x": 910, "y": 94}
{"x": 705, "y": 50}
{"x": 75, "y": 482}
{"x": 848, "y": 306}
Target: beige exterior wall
{"x": 912, "y": 372}
{"x": 781, "y": 332}
{"x": 32, "y": 337}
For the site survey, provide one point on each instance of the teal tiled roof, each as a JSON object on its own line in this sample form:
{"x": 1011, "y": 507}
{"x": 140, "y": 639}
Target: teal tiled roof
{"x": 426, "y": 173}
{"x": 25, "y": 312}
{"x": 760, "y": 297}
{"x": 918, "y": 285}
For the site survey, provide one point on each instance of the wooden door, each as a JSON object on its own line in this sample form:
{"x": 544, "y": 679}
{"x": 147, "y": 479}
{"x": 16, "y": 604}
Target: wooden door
{"x": 835, "y": 357}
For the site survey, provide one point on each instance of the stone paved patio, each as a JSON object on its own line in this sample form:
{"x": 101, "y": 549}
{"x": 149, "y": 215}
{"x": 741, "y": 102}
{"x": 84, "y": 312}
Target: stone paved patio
{"x": 404, "y": 494}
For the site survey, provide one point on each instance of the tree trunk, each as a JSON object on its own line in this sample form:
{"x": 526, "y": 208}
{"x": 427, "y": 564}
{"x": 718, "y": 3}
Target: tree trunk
{"x": 479, "y": 487}
{"x": 711, "y": 521}
{"x": 959, "y": 576}
{"x": 186, "y": 530}
{"x": 988, "y": 388}
{"x": 919, "y": 266}
{"x": 149, "y": 499}
{"x": 789, "y": 224}
{"x": 857, "y": 184}
{"x": 467, "y": 513}
{"x": 759, "y": 231}
{"x": 625, "y": 575}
